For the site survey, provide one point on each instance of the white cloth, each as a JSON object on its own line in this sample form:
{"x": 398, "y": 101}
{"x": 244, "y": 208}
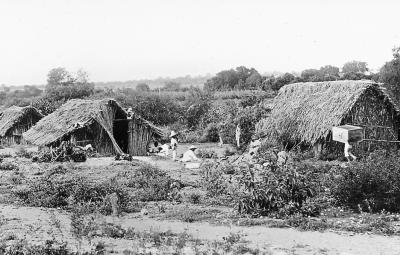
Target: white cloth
{"x": 254, "y": 146}
{"x": 347, "y": 148}
{"x": 165, "y": 149}
{"x": 189, "y": 156}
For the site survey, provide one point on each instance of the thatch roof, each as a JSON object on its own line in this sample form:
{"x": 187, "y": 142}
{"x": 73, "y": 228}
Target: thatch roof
{"x": 306, "y": 112}
{"x": 13, "y": 115}
{"x": 63, "y": 121}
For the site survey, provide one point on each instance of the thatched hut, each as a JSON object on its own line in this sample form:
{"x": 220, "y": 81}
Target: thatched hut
{"x": 16, "y": 120}
{"x": 101, "y": 123}
{"x": 304, "y": 113}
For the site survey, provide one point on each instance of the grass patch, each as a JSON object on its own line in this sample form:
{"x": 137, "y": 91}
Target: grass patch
{"x": 187, "y": 214}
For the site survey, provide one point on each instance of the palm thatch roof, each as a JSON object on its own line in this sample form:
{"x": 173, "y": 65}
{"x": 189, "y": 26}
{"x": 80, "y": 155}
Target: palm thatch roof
{"x": 13, "y": 115}
{"x": 306, "y": 112}
{"x": 63, "y": 121}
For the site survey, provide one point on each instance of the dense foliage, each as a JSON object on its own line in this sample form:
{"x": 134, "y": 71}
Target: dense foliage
{"x": 274, "y": 190}
{"x": 65, "y": 191}
{"x": 150, "y": 183}
{"x": 62, "y": 85}
{"x": 239, "y": 78}
{"x": 390, "y": 73}
{"x": 373, "y": 184}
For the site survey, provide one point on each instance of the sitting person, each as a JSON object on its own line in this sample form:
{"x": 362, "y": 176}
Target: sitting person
{"x": 254, "y": 144}
{"x": 164, "y": 149}
{"x": 189, "y": 155}
{"x": 154, "y": 147}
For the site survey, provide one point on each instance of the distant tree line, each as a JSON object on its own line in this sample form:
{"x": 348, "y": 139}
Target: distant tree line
{"x": 249, "y": 78}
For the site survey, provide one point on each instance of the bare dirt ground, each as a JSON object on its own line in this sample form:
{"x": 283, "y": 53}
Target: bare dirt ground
{"x": 38, "y": 224}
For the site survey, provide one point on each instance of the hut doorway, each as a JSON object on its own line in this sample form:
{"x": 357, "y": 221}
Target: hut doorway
{"x": 120, "y": 132}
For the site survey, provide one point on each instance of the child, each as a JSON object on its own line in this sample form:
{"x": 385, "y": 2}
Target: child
{"x": 174, "y": 144}
{"x": 347, "y": 152}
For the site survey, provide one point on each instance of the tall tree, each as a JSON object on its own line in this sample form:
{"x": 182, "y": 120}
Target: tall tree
{"x": 239, "y": 78}
{"x": 62, "y": 85}
{"x": 311, "y": 75}
{"x": 329, "y": 72}
{"x": 390, "y": 73}
{"x": 172, "y": 86}
{"x": 143, "y": 87}
{"x": 355, "y": 67}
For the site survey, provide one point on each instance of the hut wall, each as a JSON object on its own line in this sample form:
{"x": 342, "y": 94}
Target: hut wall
{"x": 379, "y": 120}
{"x": 139, "y": 138}
{"x": 14, "y": 134}
{"x": 95, "y": 135}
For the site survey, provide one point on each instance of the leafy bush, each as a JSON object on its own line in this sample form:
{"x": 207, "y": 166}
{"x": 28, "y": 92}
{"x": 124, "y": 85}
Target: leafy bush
{"x": 72, "y": 192}
{"x": 190, "y": 136}
{"x": 213, "y": 179}
{"x": 150, "y": 183}
{"x": 374, "y": 184}
{"x": 203, "y": 153}
{"x": 210, "y": 133}
{"x": 277, "y": 191}
{"x": 8, "y": 166}
{"x": 49, "y": 247}
{"x": 23, "y": 153}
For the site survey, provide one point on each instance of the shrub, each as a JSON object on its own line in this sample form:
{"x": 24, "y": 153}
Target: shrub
{"x": 8, "y": 166}
{"x": 373, "y": 184}
{"x": 213, "y": 179}
{"x": 210, "y": 133}
{"x": 276, "y": 191}
{"x": 23, "y": 153}
{"x": 73, "y": 192}
{"x": 190, "y": 136}
{"x": 15, "y": 178}
{"x": 203, "y": 153}
{"x": 192, "y": 195}
{"x": 150, "y": 183}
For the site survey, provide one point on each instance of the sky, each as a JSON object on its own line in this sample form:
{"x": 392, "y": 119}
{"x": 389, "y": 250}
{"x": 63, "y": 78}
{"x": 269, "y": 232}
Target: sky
{"x": 119, "y": 40}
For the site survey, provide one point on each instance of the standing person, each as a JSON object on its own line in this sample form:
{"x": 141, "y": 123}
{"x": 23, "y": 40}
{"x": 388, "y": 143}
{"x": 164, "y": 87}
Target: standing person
{"x": 347, "y": 151}
{"x": 174, "y": 144}
{"x": 238, "y": 133}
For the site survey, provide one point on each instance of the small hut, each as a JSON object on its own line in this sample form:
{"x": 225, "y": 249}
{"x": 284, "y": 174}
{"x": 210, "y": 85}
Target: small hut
{"x": 101, "y": 123}
{"x": 16, "y": 120}
{"x": 304, "y": 114}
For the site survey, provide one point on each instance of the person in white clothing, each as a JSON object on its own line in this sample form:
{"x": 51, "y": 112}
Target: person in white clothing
{"x": 174, "y": 144}
{"x": 238, "y": 134}
{"x": 189, "y": 155}
{"x": 347, "y": 152}
{"x": 165, "y": 149}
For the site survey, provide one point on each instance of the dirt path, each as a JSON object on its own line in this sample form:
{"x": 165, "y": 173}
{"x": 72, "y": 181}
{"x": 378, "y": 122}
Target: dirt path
{"x": 280, "y": 238}
{"x": 38, "y": 224}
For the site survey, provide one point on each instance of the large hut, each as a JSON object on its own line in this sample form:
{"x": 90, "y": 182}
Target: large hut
{"x": 304, "y": 114}
{"x": 16, "y": 120}
{"x": 102, "y": 123}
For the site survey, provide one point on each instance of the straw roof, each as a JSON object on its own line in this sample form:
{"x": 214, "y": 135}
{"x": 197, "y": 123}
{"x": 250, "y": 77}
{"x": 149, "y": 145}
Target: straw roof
{"x": 63, "y": 121}
{"x": 306, "y": 112}
{"x": 13, "y": 115}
